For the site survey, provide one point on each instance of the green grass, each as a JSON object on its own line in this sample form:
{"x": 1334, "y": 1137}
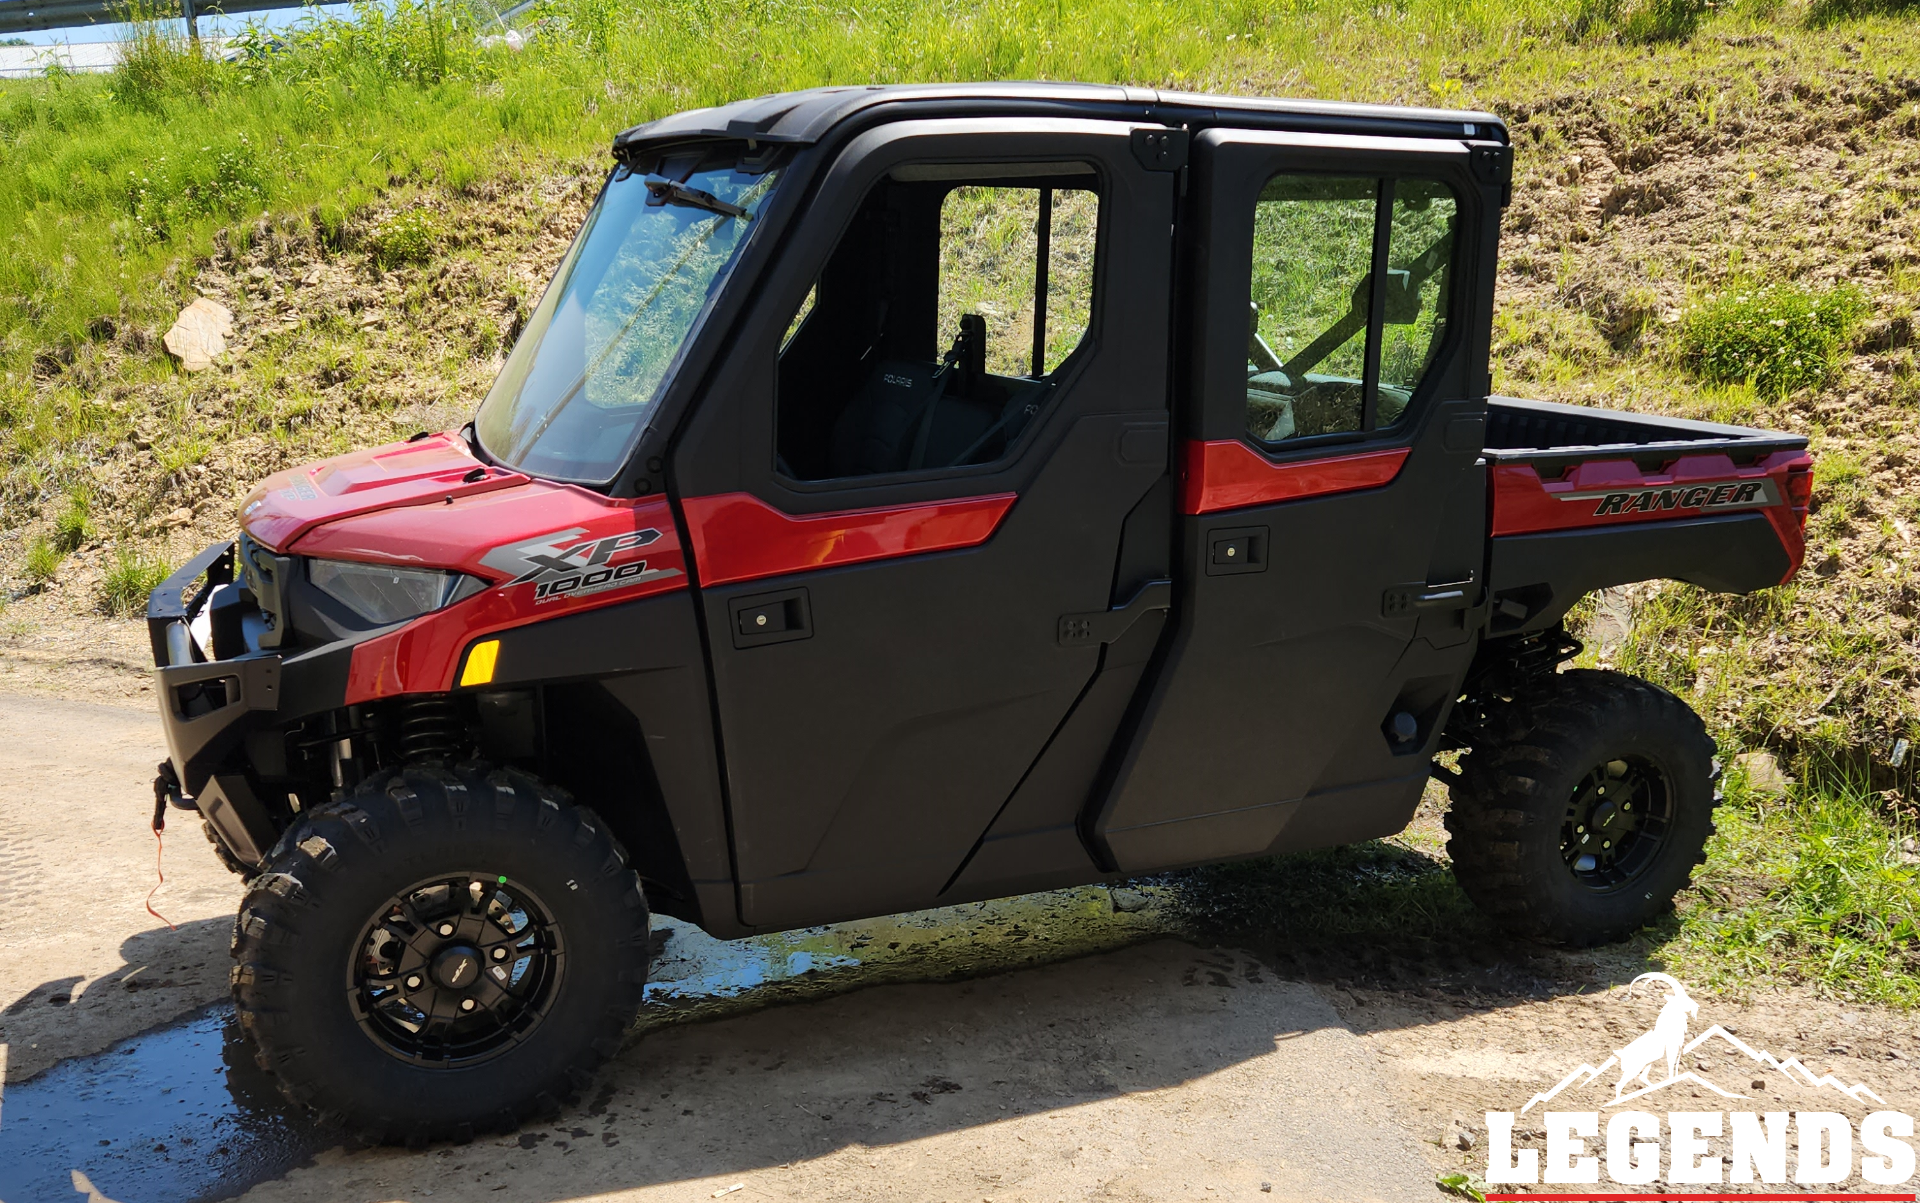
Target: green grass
{"x": 1779, "y": 337}
{"x": 73, "y": 525}
{"x": 1382, "y": 894}
{"x": 43, "y": 560}
{"x": 1643, "y": 21}
{"x": 1819, "y": 886}
{"x": 129, "y": 579}
{"x": 410, "y": 237}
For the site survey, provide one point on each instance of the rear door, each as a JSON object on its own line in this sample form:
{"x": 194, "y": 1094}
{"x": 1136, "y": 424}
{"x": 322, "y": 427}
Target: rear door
{"x": 1332, "y": 502}
{"x": 921, "y": 456}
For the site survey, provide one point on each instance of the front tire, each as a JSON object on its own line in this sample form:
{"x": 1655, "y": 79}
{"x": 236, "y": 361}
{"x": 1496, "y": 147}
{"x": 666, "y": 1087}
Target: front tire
{"x": 442, "y": 953}
{"x": 1581, "y": 828}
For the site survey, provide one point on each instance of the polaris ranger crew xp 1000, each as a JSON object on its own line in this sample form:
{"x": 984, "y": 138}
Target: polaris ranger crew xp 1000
{"x": 910, "y": 495}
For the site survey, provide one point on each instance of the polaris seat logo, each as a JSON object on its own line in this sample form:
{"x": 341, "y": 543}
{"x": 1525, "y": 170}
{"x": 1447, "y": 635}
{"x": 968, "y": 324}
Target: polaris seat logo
{"x": 569, "y": 563}
{"x": 1719, "y": 495}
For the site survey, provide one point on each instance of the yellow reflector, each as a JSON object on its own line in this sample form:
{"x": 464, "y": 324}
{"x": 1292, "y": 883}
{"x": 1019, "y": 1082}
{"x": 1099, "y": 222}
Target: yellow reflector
{"x": 480, "y": 660}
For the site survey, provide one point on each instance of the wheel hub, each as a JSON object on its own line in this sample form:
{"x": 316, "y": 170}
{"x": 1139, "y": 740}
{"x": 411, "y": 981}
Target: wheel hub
{"x": 457, "y": 967}
{"x": 456, "y": 970}
{"x": 1616, "y": 822}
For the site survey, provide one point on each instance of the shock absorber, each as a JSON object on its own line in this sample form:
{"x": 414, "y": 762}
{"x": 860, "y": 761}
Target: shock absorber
{"x": 430, "y": 728}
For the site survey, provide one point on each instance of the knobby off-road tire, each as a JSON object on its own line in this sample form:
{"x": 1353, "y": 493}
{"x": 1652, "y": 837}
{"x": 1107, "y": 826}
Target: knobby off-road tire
{"x": 233, "y": 863}
{"x": 1596, "y": 758}
{"x": 342, "y": 942}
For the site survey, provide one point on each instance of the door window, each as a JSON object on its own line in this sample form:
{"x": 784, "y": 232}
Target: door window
{"x": 1348, "y": 301}
{"x": 941, "y": 325}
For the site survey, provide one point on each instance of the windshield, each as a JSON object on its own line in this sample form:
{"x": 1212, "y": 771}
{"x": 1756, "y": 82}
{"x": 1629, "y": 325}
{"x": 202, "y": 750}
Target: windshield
{"x": 581, "y": 381}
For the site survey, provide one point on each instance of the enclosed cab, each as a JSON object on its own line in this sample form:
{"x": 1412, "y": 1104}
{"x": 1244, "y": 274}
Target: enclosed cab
{"x": 904, "y": 496}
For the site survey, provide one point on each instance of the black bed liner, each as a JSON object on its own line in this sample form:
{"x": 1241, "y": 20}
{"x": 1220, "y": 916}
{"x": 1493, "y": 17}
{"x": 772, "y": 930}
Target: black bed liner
{"x": 1551, "y": 436}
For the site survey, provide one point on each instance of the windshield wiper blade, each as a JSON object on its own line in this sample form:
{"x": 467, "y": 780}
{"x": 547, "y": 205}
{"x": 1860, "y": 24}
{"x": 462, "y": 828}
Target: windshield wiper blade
{"x": 663, "y": 191}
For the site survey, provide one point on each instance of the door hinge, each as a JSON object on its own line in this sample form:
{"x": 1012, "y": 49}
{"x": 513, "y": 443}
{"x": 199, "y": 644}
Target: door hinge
{"x": 1160, "y": 149}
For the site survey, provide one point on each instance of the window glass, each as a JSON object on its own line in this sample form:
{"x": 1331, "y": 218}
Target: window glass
{"x": 990, "y": 242}
{"x": 937, "y": 330}
{"x": 1420, "y": 250}
{"x": 799, "y": 317}
{"x": 575, "y": 393}
{"x": 1312, "y": 252}
{"x": 1312, "y": 327}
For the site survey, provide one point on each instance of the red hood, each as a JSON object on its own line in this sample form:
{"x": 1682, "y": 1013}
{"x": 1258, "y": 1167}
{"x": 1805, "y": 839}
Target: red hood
{"x": 545, "y": 549}
{"x": 433, "y": 470}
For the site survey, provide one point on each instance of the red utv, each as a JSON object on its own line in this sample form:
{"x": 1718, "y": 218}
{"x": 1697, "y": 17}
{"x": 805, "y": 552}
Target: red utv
{"x": 904, "y": 496}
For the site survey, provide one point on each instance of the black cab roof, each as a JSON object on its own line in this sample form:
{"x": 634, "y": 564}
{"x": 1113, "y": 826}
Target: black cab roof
{"x": 808, "y": 116}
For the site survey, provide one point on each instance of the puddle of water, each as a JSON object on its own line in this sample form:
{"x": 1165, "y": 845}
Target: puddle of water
{"x": 178, "y": 1114}
{"x": 697, "y": 977}
{"x": 181, "y": 1114}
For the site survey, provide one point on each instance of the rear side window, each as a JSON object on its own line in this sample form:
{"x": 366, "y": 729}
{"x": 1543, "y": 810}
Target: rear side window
{"x": 1348, "y": 301}
{"x": 943, "y": 322}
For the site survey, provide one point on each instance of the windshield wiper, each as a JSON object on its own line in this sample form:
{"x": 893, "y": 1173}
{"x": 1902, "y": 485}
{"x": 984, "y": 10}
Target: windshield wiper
{"x": 663, "y": 191}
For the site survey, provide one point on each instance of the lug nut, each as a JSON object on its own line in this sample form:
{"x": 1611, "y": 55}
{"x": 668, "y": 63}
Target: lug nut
{"x": 499, "y": 954}
{"x": 446, "y": 929}
{"x": 466, "y": 1004}
{"x": 413, "y": 983}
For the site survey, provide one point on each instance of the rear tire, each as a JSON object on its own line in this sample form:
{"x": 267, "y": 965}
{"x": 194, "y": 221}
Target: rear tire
{"x": 444, "y": 952}
{"x": 1580, "y": 825}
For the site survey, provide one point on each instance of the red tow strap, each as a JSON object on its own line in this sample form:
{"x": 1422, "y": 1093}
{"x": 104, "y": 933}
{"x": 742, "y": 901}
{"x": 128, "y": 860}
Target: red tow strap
{"x": 156, "y": 885}
{"x": 163, "y": 785}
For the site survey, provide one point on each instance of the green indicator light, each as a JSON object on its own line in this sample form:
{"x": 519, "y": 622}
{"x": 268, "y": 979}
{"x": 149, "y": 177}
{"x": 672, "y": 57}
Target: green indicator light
{"x": 503, "y": 881}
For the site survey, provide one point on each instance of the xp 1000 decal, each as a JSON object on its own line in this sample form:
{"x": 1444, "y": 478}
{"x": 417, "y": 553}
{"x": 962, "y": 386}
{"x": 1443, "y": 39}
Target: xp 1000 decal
{"x": 572, "y": 563}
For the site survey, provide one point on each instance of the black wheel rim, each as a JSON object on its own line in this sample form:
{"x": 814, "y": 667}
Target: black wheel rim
{"x": 1617, "y": 821}
{"x": 456, "y": 969}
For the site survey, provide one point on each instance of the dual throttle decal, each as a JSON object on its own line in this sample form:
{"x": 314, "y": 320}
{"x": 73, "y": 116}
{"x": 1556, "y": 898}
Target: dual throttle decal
{"x": 570, "y": 563}
{"x": 1722, "y": 495}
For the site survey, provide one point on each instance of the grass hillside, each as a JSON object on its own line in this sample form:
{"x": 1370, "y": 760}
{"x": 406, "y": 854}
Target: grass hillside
{"x": 1715, "y": 215}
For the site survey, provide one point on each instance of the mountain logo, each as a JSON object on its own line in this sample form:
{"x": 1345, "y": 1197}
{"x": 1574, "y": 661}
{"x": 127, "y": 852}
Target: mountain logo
{"x": 1666, "y": 1044}
{"x": 1614, "y": 1132}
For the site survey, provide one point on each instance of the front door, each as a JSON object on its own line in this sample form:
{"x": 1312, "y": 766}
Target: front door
{"x": 1332, "y": 500}
{"x": 920, "y": 458}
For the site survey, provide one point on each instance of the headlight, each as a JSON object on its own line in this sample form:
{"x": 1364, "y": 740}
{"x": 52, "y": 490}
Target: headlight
{"x": 382, "y": 594}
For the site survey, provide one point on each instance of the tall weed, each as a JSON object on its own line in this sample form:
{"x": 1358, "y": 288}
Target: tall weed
{"x": 159, "y": 62}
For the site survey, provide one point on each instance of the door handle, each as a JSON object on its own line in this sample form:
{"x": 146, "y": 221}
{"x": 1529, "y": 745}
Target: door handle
{"x": 1401, "y": 600}
{"x": 770, "y": 618}
{"x": 1106, "y": 626}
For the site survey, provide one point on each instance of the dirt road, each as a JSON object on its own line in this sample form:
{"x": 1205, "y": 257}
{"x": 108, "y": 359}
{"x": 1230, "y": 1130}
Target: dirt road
{"x": 1153, "y": 1069}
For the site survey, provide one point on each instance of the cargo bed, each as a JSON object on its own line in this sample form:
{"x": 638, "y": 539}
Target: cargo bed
{"x": 1583, "y": 498}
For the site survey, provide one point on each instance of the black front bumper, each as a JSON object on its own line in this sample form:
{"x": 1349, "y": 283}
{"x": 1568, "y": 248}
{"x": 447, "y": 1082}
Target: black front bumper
{"x": 209, "y": 708}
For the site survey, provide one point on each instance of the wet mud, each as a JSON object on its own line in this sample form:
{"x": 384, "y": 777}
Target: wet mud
{"x": 181, "y": 1114}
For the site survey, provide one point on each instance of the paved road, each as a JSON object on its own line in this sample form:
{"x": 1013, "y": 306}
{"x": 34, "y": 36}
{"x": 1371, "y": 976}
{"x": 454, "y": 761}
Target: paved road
{"x": 1154, "y": 1072}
